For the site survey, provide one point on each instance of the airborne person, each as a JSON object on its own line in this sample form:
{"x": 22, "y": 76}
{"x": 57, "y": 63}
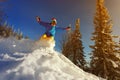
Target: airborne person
{"x": 50, "y": 28}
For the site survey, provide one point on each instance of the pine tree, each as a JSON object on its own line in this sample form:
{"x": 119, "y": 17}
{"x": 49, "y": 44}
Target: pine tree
{"x": 73, "y": 48}
{"x": 104, "y": 62}
{"x": 5, "y": 30}
{"x": 118, "y": 48}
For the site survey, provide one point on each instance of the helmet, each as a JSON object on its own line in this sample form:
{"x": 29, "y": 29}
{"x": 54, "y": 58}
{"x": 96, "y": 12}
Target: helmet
{"x": 54, "y": 20}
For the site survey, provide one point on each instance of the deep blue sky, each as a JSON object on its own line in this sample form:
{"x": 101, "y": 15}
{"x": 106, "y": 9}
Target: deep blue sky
{"x": 21, "y": 14}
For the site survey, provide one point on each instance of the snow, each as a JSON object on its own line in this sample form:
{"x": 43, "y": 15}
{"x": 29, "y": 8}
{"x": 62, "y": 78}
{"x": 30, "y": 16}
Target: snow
{"x": 30, "y": 60}
{"x": 115, "y": 64}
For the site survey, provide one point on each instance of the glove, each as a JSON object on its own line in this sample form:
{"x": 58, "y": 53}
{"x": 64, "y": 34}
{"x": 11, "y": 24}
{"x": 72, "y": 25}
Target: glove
{"x": 68, "y": 28}
{"x": 38, "y": 19}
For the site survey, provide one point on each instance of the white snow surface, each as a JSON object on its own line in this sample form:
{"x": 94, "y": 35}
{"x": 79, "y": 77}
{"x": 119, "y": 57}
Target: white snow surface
{"x": 29, "y": 60}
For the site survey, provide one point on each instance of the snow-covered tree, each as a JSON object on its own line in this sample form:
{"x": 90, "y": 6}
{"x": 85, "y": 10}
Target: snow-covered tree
{"x": 73, "y": 48}
{"x": 104, "y": 62}
{"x": 118, "y": 48}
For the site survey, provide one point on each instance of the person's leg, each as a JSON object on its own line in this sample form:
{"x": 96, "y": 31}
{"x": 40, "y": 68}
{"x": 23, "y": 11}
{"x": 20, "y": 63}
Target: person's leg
{"x": 49, "y": 36}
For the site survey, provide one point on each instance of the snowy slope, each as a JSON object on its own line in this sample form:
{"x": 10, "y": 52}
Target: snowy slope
{"x": 33, "y": 62}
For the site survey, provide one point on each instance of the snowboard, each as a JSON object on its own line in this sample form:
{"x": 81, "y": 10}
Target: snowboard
{"x": 45, "y": 41}
{"x": 45, "y": 37}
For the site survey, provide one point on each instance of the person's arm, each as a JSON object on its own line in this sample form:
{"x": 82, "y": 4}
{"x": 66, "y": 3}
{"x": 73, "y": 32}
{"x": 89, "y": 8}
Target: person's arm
{"x": 45, "y": 24}
{"x": 61, "y": 28}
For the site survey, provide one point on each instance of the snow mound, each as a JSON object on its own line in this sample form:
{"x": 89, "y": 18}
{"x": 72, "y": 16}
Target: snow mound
{"x": 39, "y": 63}
{"x": 43, "y": 64}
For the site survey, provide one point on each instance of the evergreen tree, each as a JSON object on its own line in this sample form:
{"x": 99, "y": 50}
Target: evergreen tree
{"x": 73, "y": 48}
{"x": 104, "y": 62}
{"x": 119, "y": 47}
{"x": 7, "y": 31}
{"x": 117, "y": 51}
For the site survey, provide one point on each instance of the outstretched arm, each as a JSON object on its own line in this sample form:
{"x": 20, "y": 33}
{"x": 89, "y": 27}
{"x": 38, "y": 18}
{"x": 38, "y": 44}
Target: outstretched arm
{"x": 61, "y": 28}
{"x": 45, "y": 24}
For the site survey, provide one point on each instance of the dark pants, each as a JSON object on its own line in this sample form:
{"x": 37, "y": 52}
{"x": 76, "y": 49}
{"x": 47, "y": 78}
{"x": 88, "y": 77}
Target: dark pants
{"x": 48, "y": 34}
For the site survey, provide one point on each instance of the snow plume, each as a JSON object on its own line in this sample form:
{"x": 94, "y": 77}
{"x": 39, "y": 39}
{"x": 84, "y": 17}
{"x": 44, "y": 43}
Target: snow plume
{"x": 11, "y": 45}
{"x": 11, "y": 48}
{"x": 45, "y": 44}
{"x": 43, "y": 63}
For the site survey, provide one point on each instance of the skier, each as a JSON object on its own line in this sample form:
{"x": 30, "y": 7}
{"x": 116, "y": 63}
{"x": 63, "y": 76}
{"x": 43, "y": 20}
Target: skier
{"x": 50, "y": 28}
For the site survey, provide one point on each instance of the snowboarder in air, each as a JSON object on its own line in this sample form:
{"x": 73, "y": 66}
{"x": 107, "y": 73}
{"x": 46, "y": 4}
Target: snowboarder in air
{"x": 50, "y": 28}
